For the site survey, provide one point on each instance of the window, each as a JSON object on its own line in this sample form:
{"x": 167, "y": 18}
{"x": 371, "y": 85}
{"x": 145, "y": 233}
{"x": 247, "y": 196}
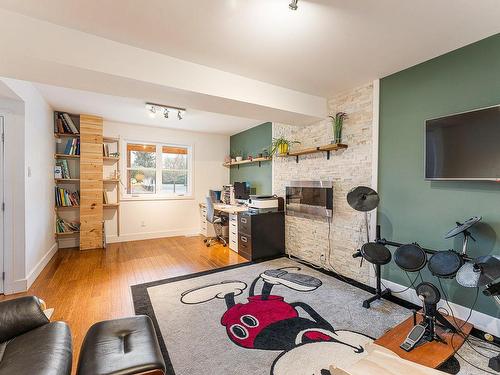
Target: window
{"x": 157, "y": 170}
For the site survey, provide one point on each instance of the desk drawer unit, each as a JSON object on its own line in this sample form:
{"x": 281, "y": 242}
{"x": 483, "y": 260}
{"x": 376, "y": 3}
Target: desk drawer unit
{"x": 233, "y": 232}
{"x": 206, "y": 229}
{"x": 261, "y": 235}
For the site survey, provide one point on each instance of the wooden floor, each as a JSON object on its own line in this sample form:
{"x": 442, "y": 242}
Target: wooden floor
{"x": 85, "y": 287}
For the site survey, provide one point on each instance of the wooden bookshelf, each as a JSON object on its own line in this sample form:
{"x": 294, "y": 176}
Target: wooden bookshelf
{"x": 87, "y": 170}
{"x": 112, "y": 145}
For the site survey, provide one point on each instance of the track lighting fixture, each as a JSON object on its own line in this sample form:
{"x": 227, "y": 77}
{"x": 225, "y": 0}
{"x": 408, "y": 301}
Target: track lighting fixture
{"x": 154, "y": 108}
{"x": 293, "y": 5}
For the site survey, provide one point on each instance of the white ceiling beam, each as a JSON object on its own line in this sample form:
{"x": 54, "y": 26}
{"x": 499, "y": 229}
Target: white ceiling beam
{"x": 43, "y": 52}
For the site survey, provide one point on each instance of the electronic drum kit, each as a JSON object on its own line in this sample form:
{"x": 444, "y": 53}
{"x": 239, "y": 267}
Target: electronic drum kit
{"x": 447, "y": 264}
{"x": 482, "y": 271}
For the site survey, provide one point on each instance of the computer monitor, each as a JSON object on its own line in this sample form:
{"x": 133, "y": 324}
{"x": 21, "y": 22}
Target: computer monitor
{"x": 241, "y": 190}
{"x": 215, "y": 195}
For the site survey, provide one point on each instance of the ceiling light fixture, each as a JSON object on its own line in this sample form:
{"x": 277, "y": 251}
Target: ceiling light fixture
{"x": 293, "y": 5}
{"x": 155, "y": 108}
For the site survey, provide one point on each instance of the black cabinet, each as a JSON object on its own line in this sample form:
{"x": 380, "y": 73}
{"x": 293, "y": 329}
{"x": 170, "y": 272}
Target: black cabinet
{"x": 261, "y": 235}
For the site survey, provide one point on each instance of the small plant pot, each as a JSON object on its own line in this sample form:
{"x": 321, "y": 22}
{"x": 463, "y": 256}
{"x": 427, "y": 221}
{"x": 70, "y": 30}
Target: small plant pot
{"x": 239, "y": 158}
{"x": 282, "y": 149}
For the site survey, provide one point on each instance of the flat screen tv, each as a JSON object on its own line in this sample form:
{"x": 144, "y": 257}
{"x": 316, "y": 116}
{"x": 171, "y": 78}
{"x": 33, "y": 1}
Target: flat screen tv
{"x": 464, "y": 146}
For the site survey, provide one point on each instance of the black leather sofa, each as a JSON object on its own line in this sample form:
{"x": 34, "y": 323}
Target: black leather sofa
{"x": 30, "y": 343}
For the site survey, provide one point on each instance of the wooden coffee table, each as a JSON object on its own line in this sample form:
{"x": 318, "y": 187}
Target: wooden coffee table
{"x": 431, "y": 354}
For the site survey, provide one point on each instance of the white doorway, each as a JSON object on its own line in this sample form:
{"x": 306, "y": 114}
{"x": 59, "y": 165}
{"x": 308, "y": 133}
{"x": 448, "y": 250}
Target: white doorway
{"x": 2, "y": 203}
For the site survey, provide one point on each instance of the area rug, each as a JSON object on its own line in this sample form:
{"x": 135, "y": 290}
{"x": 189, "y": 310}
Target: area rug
{"x": 277, "y": 317}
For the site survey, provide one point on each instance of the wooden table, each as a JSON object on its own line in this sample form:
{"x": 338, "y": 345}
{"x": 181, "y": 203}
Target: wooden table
{"x": 431, "y": 354}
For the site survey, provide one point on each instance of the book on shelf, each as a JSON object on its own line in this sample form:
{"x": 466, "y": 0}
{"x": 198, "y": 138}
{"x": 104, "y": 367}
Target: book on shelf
{"x": 72, "y": 147}
{"x": 105, "y": 149}
{"x": 105, "y": 198}
{"x": 64, "y": 124}
{"x": 63, "y": 163}
{"x": 63, "y": 226}
{"x": 58, "y": 172}
{"x": 66, "y": 198}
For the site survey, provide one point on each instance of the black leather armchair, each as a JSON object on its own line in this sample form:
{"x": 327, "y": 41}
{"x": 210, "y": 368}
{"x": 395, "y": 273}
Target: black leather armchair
{"x": 30, "y": 343}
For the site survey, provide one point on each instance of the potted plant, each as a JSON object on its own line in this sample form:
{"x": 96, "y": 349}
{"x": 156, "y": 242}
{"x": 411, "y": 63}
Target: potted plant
{"x": 281, "y": 146}
{"x": 265, "y": 152}
{"x": 238, "y": 155}
{"x": 337, "y": 124}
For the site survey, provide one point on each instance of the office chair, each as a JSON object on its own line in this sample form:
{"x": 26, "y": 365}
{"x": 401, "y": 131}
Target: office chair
{"x": 217, "y": 221}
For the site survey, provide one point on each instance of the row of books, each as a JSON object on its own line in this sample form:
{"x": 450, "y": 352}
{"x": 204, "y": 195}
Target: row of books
{"x": 105, "y": 149}
{"x": 63, "y": 226}
{"x": 63, "y": 123}
{"x": 72, "y": 147}
{"x": 62, "y": 170}
{"x": 65, "y": 198}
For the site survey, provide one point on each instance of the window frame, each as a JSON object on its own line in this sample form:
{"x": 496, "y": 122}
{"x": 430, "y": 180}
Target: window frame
{"x": 158, "y": 195}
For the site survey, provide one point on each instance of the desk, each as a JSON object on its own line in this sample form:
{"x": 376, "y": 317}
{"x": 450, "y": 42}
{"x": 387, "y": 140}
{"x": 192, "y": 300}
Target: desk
{"x": 207, "y": 229}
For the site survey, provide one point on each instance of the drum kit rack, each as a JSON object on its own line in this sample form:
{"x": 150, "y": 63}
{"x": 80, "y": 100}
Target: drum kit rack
{"x": 447, "y": 264}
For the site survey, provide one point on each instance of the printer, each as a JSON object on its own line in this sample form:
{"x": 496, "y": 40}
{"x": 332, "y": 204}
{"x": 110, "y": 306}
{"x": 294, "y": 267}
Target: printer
{"x": 263, "y": 201}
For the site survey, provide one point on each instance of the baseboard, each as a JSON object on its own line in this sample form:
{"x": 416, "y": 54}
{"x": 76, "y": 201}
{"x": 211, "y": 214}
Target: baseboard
{"x": 151, "y": 235}
{"x": 16, "y": 286}
{"x": 480, "y": 320}
{"x": 30, "y": 279}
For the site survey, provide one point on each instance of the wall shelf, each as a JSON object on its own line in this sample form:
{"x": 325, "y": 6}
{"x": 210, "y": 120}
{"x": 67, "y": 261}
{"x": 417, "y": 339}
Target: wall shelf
{"x": 111, "y": 205}
{"x": 63, "y": 180}
{"x": 110, "y": 180}
{"x": 66, "y": 207}
{"x": 111, "y": 158}
{"x": 66, "y": 156}
{"x": 64, "y": 234}
{"x": 254, "y": 160}
{"x": 314, "y": 150}
{"x": 67, "y": 135}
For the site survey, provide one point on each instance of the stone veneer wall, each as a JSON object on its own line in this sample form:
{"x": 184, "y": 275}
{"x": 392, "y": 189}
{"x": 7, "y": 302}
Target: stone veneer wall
{"x": 308, "y": 238}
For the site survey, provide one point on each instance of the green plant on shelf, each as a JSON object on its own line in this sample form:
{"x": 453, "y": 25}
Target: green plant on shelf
{"x": 281, "y": 146}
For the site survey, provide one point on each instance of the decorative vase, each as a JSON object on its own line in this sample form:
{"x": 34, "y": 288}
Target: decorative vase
{"x": 239, "y": 158}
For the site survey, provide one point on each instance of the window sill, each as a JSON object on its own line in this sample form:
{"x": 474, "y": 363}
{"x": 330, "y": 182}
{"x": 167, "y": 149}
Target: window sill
{"x": 157, "y": 198}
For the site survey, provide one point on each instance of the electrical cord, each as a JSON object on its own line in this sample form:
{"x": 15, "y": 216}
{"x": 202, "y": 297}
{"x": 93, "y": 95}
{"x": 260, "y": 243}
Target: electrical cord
{"x": 328, "y": 260}
{"x": 412, "y": 283}
{"x": 460, "y": 331}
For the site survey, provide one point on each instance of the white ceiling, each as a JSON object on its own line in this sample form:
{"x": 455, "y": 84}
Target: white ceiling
{"x": 324, "y": 47}
{"x": 133, "y": 111}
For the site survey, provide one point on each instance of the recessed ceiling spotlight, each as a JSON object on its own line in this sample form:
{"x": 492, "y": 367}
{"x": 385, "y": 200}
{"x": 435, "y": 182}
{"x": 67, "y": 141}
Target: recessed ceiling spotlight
{"x": 165, "y": 113}
{"x": 179, "y": 115}
{"x": 293, "y": 5}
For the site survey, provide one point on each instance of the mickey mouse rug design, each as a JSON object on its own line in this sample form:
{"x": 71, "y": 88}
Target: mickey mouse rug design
{"x": 306, "y": 342}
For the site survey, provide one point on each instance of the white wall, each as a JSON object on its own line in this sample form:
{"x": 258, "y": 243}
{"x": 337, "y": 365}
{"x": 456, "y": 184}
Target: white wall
{"x": 176, "y": 216}
{"x": 37, "y": 180}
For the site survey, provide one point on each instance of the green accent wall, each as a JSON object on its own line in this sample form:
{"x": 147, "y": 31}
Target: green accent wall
{"x": 251, "y": 142}
{"x": 413, "y": 209}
